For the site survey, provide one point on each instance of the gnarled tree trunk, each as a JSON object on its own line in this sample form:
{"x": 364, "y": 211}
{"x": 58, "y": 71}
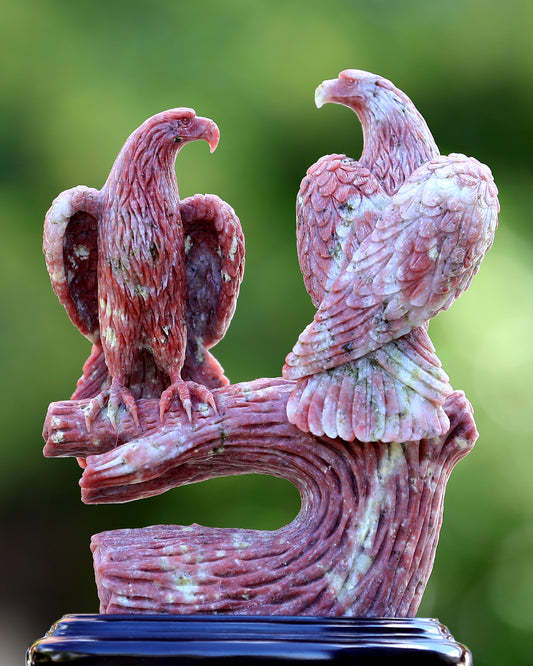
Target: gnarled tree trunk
{"x": 363, "y": 543}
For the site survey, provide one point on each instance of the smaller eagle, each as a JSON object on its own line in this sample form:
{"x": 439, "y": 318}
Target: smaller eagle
{"x": 151, "y": 280}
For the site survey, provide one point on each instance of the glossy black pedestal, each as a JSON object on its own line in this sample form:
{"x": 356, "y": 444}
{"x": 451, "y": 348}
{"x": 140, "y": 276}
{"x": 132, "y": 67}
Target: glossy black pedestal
{"x": 157, "y": 640}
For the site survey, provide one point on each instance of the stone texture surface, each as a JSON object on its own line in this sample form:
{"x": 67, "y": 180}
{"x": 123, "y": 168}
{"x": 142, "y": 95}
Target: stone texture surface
{"x": 385, "y": 243}
{"x": 151, "y": 280}
{"x": 363, "y": 543}
{"x": 364, "y": 421}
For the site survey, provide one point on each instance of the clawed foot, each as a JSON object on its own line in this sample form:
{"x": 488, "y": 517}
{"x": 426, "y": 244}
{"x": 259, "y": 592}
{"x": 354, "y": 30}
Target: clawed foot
{"x": 113, "y": 396}
{"x": 183, "y": 390}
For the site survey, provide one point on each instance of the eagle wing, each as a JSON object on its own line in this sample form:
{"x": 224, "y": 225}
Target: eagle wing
{"x": 70, "y": 246}
{"x": 424, "y": 251}
{"x": 337, "y": 206}
{"x": 214, "y": 254}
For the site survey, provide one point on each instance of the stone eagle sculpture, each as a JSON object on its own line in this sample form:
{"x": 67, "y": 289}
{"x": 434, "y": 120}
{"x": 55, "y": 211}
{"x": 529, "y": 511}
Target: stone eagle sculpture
{"x": 385, "y": 243}
{"x": 151, "y": 280}
{"x": 364, "y": 422}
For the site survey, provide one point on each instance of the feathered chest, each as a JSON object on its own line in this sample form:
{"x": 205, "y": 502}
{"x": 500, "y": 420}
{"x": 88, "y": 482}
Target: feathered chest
{"x": 141, "y": 239}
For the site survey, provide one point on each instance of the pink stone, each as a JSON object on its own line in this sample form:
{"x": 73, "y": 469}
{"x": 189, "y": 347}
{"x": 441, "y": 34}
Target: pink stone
{"x": 151, "y": 280}
{"x": 363, "y": 543}
{"x": 364, "y": 422}
{"x": 385, "y": 244}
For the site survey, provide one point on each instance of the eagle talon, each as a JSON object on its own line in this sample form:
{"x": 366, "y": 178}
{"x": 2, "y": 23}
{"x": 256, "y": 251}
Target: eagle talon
{"x": 183, "y": 391}
{"x": 94, "y": 408}
{"x": 120, "y": 394}
{"x": 113, "y": 396}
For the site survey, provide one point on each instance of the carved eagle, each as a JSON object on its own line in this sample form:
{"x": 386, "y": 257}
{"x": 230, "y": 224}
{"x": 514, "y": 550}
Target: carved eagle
{"x": 384, "y": 243}
{"x": 151, "y": 280}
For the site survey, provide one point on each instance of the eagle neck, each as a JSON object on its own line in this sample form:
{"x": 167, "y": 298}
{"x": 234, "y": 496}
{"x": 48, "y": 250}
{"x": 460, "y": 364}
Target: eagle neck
{"x": 145, "y": 170}
{"x": 396, "y": 139}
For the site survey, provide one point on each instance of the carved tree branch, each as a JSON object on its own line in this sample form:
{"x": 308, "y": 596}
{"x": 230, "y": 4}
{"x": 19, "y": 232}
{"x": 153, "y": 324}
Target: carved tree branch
{"x": 363, "y": 543}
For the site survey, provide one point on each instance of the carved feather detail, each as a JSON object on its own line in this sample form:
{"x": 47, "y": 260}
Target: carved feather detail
{"x": 403, "y": 254}
{"x": 151, "y": 280}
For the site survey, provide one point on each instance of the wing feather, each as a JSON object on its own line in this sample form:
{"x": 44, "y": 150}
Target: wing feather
{"x": 337, "y": 206}
{"x": 70, "y": 246}
{"x": 214, "y": 252}
{"x": 443, "y": 220}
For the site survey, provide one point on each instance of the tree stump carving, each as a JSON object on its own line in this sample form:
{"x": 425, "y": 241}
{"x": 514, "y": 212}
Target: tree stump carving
{"x": 362, "y": 544}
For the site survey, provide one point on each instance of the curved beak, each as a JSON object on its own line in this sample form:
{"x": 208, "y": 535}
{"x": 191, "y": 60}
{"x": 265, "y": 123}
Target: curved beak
{"x": 349, "y": 89}
{"x": 207, "y": 130}
{"x": 323, "y": 94}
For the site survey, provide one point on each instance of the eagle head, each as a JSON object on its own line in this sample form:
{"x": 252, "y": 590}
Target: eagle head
{"x": 353, "y": 88}
{"x": 176, "y": 127}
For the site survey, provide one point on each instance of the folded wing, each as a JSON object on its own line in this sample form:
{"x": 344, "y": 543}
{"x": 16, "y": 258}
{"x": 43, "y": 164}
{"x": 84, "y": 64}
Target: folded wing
{"x": 214, "y": 251}
{"x": 337, "y": 206}
{"x": 423, "y": 252}
{"x": 70, "y": 246}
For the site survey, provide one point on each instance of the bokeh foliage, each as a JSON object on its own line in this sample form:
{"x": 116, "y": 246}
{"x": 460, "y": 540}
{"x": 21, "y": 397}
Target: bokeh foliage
{"x": 78, "y": 77}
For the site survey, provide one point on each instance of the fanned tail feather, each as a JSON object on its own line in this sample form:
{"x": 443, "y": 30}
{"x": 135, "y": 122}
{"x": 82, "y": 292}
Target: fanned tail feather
{"x": 206, "y": 371}
{"x": 95, "y": 375}
{"x": 395, "y": 394}
{"x": 146, "y": 379}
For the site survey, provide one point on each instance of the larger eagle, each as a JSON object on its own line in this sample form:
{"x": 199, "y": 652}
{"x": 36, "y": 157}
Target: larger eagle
{"x": 151, "y": 280}
{"x": 385, "y": 243}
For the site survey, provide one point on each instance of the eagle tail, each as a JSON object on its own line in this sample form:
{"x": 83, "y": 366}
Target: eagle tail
{"x": 203, "y": 368}
{"x": 95, "y": 375}
{"x": 146, "y": 379}
{"x": 395, "y": 394}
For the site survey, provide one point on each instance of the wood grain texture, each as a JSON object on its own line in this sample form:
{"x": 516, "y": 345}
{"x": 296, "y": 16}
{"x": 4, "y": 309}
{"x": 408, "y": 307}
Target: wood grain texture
{"x": 363, "y": 543}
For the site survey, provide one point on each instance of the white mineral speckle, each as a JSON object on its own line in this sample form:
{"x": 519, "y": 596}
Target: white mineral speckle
{"x": 390, "y": 465}
{"x": 124, "y": 601}
{"x": 186, "y": 588}
{"x": 335, "y": 581}
{"x": 361, "y": 566}
{"x": 233, "y": 248}
{"x": 239, "y": 542}
{"x": 58, "y": 275}
{"x": 199, "y": 351}
{"x": 110, "y": 337}
{"x": 58, "y": 437}
{"x": 141, "y": 291}
{"x": 82, "y": 252}
{"x": 61, "y": 210}
{"x": 105, "y": 307}
{"x": 433, "y": 253}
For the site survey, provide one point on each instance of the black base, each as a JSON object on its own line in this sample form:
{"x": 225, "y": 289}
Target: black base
{"x": 157, "y": 640}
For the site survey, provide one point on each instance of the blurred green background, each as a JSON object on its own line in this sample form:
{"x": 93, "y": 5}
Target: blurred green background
{"x": 77, "y": 77}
